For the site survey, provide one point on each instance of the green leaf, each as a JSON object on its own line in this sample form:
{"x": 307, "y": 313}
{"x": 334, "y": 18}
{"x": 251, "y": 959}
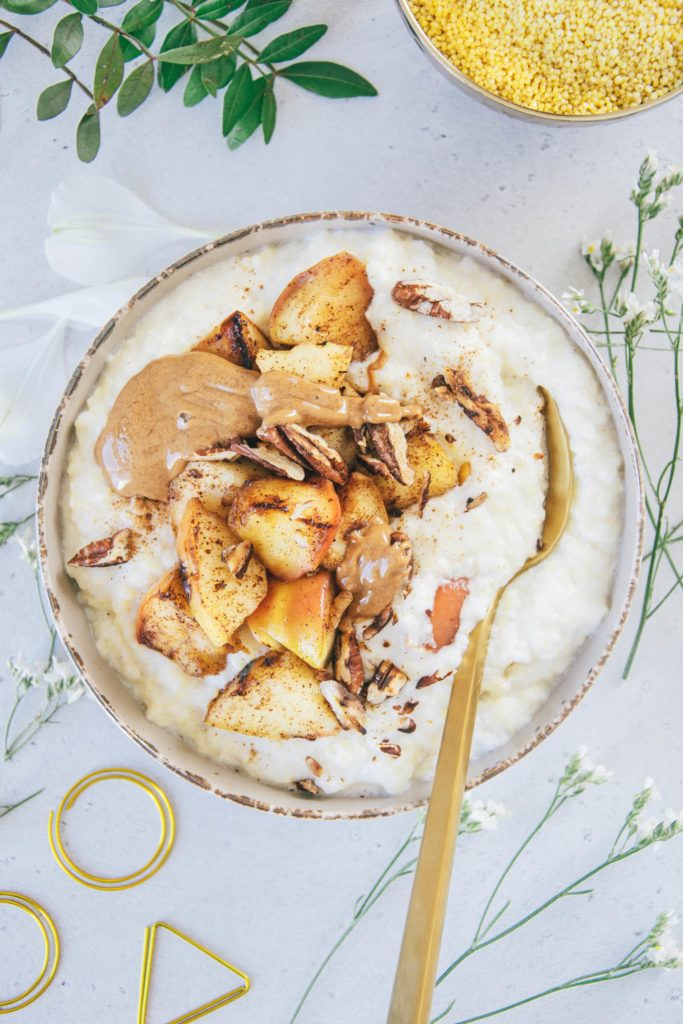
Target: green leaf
{"x": 200, "y": 53}
{"x": 88, "y": 135}
{"x": 141, "y": 15}
{"x": 53, "y": 100}
{"x": 146, "y": 36}
{"x": 4, "y": 41}
{"x": 328, "y": 79}
{"x": 86, "y": 6}
{"x": 292, "y": 44}
{"x": 195, "y": 90}
{"x": 27, "y": 6}
{"x": 250, "y": 119}
{"x": 110, "y": 3}
{"x": 108, "y": 71}
{"x": 237, "y": 97}
{"x": 67, "y": 40}
{"x": 255, "y": 19}
{"x": 217, "y": 8}
{"x": 135, "y": 89}
{"x": 268, "y": 114}
{"x": 218, "y": 73}
{"x": 182, "y": 34}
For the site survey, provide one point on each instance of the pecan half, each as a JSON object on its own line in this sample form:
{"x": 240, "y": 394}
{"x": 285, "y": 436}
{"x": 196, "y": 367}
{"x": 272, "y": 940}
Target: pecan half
{"x": 384, "y": 449}
{"x": 348, "y": 664}
{"x": 271, "y": 459}
{"x": 377, "y": 624}
{"x": 484, "y": 414}
{"x": 425, "y": 681}
{"x": 387, "y": 681}
{"x": 307, "y": 786}
{"x": 407, "y": 725}
{"x": 436, "y": 300}
{"x": 404, "y": 544}
{"x": 347, "y": 708}
{"x": 114, "y": 550}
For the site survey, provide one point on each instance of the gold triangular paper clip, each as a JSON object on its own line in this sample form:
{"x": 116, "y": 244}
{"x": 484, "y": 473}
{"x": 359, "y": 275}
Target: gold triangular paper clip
{"x": 205, "y": 1008}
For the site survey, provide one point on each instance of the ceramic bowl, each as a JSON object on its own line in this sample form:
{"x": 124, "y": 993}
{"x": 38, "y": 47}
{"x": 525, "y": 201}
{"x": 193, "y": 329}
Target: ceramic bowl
{"x": 70, "y": 616}
{"x": 491, "y": 99}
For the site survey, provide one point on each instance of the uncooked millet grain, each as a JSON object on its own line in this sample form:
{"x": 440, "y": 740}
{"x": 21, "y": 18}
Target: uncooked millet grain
{"x": 577, "y": 57}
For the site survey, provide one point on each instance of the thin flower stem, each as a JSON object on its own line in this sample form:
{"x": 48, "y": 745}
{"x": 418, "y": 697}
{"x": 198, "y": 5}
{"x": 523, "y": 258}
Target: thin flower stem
{"x": 12, "y": 483}
{"x": 6, "y": 809}
{"x": 44, "y": 50}
{"x": 309, "y": 988}
{"x": 612, "y": 974}
{"x": 610, "y": 351}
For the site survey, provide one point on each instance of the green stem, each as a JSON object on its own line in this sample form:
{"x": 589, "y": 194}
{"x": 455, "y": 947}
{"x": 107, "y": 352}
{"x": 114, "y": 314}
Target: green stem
{"x": 44, "y": 50}
{"x": 117, "y": 30}
{"x": 612, "y": 974}
{"x": 605, "y": 316}
{"x": 8, "y": 808}
{"x": 11, "y": 483}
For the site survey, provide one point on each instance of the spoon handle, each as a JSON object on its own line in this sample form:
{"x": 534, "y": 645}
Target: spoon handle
{"x": 411, "y": 999}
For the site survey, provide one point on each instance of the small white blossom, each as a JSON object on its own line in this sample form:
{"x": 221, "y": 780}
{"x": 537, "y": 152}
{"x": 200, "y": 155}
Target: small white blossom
{"x": 626, "y": 254}
{"x": 26, "y": 539}
{"x": 61, "y": 680}
{"x": 581, "y": 772}
{"x": 576, "y": 300}
{"x": 628, "y": 306}
{"x": 481, "y": 815}
{"x": 650, "y": 164}
{"x": 663, "y": 950}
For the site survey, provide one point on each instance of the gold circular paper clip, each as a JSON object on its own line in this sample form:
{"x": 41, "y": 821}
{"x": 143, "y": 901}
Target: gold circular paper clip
{"x": 158, "y": 858}
{"x": 50, "y": 959}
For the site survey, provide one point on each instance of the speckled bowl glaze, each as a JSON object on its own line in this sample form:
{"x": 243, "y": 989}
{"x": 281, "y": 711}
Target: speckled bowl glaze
{"x": 491, "y": 99}
{"x": 109, "y": 689}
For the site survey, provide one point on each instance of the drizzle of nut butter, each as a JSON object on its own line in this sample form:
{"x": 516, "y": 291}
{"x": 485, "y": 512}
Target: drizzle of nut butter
{"x": 373, "y": 570}
{"x": 177, "y": 405}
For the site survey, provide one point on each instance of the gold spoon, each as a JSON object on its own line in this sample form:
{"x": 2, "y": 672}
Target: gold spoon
{"x": 411, "y": 1000}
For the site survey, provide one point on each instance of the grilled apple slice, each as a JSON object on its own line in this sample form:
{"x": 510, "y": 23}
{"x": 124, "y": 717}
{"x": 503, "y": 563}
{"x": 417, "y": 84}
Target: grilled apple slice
{"x": 290, "y": 524}
{"x": 426, "y": 456}
{"x": 327, "y": 302}
{"x": 214, "y": 483}
{"x": 302, "y": 616}
{"x": 361, "y": 504}
{"x": 164, "y": 624}
{"x": 275, "y": 697}
{"x": 225, "y": 581}
{"x": 322, "y": 364}
{"x": 237, "y": 339}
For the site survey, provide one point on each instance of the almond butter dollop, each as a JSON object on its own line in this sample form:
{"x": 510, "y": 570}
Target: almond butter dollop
{"x": 178, "y": 405}
{"x": 373, "y": 570}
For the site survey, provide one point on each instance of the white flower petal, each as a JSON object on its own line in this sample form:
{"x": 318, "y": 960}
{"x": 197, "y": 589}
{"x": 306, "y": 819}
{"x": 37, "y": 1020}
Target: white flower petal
{"x": 102, "y": 231}
{"x": 32, "y": 379}
{"x": 84, "y": 308}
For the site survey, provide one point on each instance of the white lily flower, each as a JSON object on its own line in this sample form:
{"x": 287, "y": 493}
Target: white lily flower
{"x": 33, "y": 375}
{"x": 101, "y": 231}
{"x": 84, "y": 308}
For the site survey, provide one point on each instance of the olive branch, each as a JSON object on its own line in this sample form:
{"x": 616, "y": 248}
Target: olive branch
{"x": 215, "y": 57}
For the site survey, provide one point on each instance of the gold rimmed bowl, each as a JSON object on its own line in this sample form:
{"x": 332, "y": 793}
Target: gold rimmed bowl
{"x": 70, "y": 615}
{"x": 492, "y": 99}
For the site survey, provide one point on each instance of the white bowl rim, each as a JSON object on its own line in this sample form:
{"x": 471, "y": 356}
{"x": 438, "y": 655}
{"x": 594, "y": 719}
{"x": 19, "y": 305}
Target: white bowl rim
{"x": 285, "y": 802}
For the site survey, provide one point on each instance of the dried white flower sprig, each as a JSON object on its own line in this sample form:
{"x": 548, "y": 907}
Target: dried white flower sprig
{"x": 43, "y": 688}
{"x": 639, "y": 308}
{"x": 636, "y": 834}
{"x": 476, "y": 816}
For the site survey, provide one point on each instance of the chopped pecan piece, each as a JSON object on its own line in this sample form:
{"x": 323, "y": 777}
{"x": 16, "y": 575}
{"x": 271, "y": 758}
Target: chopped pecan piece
{"x": 407, "y": 708}
{"x": 407, "y": 725}
{"x": 237, "y": 558}
{"x": 347, "y": 708}
{"x": 314, "y": 766}
{"x": 348, "y": 664}
{"x": 377, "y": 624}
{"x": 271, "y": 459}
{"x": 114, "y": 550}
{"x": 307, "y": 786}
{"x": 424, "y": 493}
{"x": 392, "y": 749}
{"x": 484, "y": 414}
{"x": 385, "y": 443}
{"x": 388, "y": 681}
{"x": 322, "y": 458}
{"x": 403, "y": 542}
{"x": 425, "y": 681}
{"x": 219, "y": 451}
{"x": 436, "y": 300}
{"x": 475, "y": 502}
